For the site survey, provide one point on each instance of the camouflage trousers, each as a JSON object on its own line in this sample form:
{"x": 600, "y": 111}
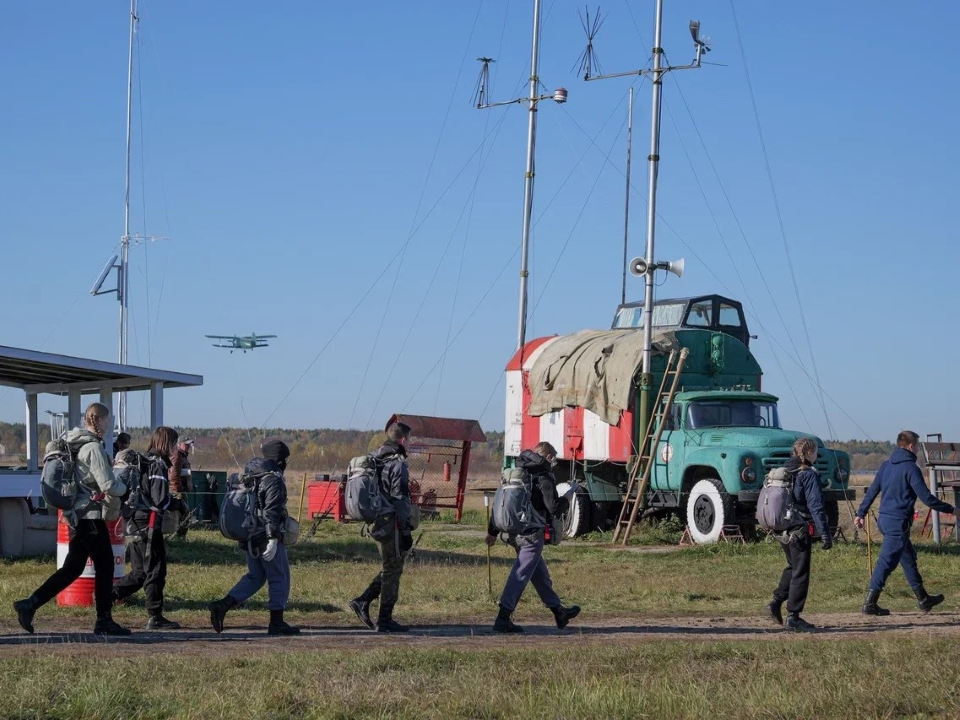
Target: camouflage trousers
{"x": 386, "y": 585}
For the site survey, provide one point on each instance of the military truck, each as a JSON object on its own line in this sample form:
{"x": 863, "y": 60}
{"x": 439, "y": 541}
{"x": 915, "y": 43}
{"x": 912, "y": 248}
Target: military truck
{"x": 581, "y": 393}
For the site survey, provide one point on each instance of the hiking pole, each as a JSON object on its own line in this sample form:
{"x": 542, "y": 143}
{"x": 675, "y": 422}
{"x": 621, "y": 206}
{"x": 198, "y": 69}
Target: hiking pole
{"x": 486, "y": 505}
{"x": 303, "y": 488}
{"x": 869, "y": 547}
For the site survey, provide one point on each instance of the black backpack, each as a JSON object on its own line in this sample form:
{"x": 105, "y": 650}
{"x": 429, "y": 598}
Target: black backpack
{"x": 131, "y": 468}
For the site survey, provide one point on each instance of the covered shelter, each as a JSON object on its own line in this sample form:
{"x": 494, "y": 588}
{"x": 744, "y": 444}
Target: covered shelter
{"x": 37, "y": 373}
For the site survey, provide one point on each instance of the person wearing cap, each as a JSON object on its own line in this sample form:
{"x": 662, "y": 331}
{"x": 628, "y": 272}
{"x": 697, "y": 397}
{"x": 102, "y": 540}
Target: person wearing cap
{"x": 266, "y": 555}
{"x": 180, "y": 476}
{"x": 394, "y": 546}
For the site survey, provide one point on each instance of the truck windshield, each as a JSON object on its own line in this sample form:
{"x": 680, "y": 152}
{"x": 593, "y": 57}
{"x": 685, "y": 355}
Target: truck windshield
{"x": 732, "y": 413}
{"x": 664, "y": 315}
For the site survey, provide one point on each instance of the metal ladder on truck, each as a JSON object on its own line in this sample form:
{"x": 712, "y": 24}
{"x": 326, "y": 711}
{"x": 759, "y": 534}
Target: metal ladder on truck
{"x": 633, "y": 501}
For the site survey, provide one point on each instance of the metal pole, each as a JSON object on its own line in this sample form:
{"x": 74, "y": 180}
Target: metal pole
{"x": 123, "y": 282}
{"x": 528, "y": 176}
{"x": 486, "y": 505}
{"x": 869, "y": 547}
{"x": 934, "y": 514}
{"x": 646, "y": 379}
{"x": 626, "y": 210}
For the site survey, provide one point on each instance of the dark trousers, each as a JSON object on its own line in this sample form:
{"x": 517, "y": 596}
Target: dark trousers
{"x": 89, "y": 540}
{"x": 795, "y": 580}
{"x": 275, "y": 573}
{"x": 386, "y": 585}
{"x": 897, "y": 548}
{"x": 529, "y": 567}
{"x": 148, "y": 571}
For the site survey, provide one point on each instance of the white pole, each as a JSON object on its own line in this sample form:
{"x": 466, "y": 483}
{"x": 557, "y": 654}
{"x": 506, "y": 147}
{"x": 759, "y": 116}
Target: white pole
{"x": 626, "y": 210}
{"x": 123, "y": 283}
{"x": 528, "y": 176}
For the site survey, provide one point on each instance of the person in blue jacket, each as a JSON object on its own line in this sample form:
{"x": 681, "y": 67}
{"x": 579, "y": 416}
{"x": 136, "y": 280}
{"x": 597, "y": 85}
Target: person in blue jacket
{"x": 797, "y": 540}
{"x": 901, "y": 483}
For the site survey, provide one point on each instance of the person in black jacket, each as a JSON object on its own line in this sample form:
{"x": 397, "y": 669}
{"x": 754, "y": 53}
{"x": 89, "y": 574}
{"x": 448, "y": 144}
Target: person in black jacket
{"x": 266, "y": 555}
{"x": 901, "y": 482}
{"x": 530, "y": 565}
{"x": 394, "y": 534}
{"x": 798, "y": 539}
{"x": 148, "y": 551}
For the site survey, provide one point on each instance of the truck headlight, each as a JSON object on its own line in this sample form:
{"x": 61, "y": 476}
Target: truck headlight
{"x": 842, "y": 475}
{"x": 748, "y": 475}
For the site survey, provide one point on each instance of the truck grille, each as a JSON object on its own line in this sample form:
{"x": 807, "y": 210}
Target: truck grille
{"x": 780, "y": 458}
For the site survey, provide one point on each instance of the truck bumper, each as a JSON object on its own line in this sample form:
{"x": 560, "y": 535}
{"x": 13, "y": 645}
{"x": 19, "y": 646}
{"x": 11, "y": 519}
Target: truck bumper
{"x": 750, "y": 497}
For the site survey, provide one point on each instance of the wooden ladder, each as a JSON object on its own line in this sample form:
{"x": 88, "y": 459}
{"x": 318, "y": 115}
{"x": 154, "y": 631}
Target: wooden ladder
{"x": 633, "y": 501}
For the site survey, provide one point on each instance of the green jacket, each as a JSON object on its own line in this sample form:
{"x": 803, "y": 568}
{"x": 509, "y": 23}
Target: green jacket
{"x": 96, "y": 477}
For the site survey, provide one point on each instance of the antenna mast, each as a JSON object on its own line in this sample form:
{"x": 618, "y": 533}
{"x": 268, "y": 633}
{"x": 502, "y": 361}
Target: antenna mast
{"x": 560, "y": 96}
{"x": 123, "y": 276}
{"x": 647, "y": 265}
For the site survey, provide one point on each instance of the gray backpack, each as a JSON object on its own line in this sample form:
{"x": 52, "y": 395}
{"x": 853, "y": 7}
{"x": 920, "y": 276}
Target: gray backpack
{"x": 59, "y": 484}
{"x": 365, "y": 499}
{"x": 240, "y": 517}
{"x": 776, "y": 506}
{"x": 513, "y": 511}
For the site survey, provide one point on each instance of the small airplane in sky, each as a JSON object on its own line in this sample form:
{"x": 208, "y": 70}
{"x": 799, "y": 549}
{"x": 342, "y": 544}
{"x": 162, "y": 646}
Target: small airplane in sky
{"x": 242, "y": 342}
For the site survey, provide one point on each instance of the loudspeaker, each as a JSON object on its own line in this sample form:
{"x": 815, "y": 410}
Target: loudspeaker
{"x": 638, "y": 267}
{"x": 676, "y": 267}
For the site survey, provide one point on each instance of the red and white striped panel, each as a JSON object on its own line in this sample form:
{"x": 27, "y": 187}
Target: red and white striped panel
{"x": 577, "y": 433}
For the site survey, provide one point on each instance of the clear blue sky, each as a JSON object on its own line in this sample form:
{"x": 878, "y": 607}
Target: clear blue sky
{"x": 284, "y": 149}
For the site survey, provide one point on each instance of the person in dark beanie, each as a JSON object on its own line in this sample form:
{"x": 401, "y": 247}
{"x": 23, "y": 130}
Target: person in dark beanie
{"x": 901, "y": 484}
{"x": 530, "y": 565}
{"x": 266, "y": 555}
{"x": 395, "y": 542}
{"x": 797, "y": 540}
{"x": 120, "y": 444}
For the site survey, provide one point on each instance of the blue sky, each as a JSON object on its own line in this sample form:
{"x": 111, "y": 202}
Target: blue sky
{"x": 290, "y": 150}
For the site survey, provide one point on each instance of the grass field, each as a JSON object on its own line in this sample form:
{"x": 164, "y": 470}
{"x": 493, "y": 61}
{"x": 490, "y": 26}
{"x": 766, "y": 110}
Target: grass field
{"x": 664, "y": 632}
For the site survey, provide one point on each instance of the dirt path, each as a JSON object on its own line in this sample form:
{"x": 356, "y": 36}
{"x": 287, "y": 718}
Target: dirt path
{"x": 56, "y": 635}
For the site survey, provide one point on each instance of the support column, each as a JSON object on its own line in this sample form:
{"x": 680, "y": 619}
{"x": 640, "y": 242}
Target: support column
{"x": 33, "y": 441}
{"x": 74, "y": 409}
{"x": 106, "y": 397}
{"x": 156, "y": 405}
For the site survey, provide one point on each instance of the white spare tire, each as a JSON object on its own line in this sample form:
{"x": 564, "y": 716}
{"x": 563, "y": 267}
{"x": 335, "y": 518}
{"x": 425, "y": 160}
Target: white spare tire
{"x": 576, "y": 521}
{"x": 708, "y": 510}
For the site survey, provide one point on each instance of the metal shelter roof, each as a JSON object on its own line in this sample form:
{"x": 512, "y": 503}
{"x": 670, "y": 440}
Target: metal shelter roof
{"x": 40, "y": 372}
{"x": 426, "y": 426}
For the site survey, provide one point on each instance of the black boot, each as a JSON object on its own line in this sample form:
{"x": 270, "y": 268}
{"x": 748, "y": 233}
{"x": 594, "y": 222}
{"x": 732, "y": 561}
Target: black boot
{"x": 361, "y": 607}
{"x": 218, "y": 612}
{"x": 106, "y": 626}
{"x": 503, "y": 623}
{"x": 564, "y": 615}
{"x": 870, "y": 606}
{"x": 775, "y": 612}
{"x": 159, "y": 622}
{"x": 924, "y": 601}
{"x": 795, "y": 623}
{"x": 26, "y": 609}
{"x": 386, "y": 623}
{"x": 278, "y": 626}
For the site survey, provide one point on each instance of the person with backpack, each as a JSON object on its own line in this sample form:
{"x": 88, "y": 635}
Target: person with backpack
{"x": 900, "y": 483}
{"x": 181, "y": 480}
{"x": 530, "y": 566}
{"x": 144, "y": 511}
{"x": 394, "y": 534}
{"x": 266, "y": 555}
{"x": 120, "y": 444}
{"x": 97, "y": 500}
{"x": 808, "y": 522}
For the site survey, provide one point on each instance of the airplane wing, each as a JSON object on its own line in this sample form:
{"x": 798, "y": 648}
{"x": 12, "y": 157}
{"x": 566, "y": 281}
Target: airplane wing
{"x": 221, "y": 337}
{"x": 264, "y": 337}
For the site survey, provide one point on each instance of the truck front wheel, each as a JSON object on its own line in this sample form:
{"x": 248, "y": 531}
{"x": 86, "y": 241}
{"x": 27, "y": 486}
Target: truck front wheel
{"x": 576, "y": 521}
{"x": 709, "y": 508}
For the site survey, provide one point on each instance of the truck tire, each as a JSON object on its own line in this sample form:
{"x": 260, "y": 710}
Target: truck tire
{"x": 709, "y": 508}
{"x": 576, "y": 521}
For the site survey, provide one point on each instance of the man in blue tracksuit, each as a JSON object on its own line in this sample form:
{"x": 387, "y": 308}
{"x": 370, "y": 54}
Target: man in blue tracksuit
{"x": 901, "y": 482}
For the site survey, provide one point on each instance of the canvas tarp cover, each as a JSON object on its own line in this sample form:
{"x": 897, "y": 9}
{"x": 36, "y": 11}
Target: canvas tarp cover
{"x": 593, "y": 369}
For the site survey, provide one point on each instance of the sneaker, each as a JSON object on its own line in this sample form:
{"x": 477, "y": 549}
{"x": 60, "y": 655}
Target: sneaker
{"x": 775, "y": 613}
{"x": 109, "y": 627}
{"x": 362, "y": 609}
{"x": 159, "y": 622}
{"x": 795, "y": 623}
{"x": 282, "y": 628}
{"x": 26, "y": 609}
{"x": 389, "y": 625}
{"x": 563, "y": 615}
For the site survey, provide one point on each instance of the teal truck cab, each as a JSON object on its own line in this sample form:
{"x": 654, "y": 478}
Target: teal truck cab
{"x": 722, "y": 435}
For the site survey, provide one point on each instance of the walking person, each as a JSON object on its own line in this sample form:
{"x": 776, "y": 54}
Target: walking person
{"x": 181, "y": 481}
{"x": 98, "y": 500}
{"x": 148, "y": 551}
{"x": 530, "y": 565}
{"x": 797, "y": 541}
{"x": 394, "y": 535}
{"x": 900, "y": 483}
{"x": 267, "y": 560}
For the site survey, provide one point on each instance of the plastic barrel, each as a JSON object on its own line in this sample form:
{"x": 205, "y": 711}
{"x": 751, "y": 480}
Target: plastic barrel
{"x": 80, "y": 593}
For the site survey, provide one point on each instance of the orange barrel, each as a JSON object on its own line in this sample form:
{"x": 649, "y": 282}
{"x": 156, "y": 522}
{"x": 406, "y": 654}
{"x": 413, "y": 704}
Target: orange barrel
{"x": 80, "y": 592}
